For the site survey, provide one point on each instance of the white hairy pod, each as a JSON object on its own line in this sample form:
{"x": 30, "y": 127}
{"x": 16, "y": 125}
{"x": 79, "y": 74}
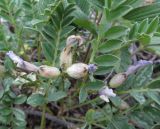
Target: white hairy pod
{"x": 71, "y": 40}
{"x": 48, "y": 72}
{"x": 78, "y": 70}
{"x": 124, "y": 105}
{"x": 117, "y": 80}
{"x": 24, "y": 65}
{"x": 66, "y": 57}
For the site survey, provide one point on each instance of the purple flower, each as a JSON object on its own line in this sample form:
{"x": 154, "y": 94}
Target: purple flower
{"x": 144, "y": 62}
{"x": 14, "y": 57}
{"x": 92, "y": 68}
{"x": 133, "y": 68}
{"x": 105, "y": 93}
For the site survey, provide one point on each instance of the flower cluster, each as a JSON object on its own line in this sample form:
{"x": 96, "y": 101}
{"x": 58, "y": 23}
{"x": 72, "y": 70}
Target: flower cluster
{"x": 76, "y": 71}
{"x": 119, "y": 79}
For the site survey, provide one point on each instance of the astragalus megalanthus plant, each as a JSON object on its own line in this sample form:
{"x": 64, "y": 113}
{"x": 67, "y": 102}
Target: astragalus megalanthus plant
{"x": 79, "y": 64}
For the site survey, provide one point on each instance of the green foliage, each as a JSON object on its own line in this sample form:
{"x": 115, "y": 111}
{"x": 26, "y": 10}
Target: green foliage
{"x": 110, "y": 46}
{"x": 116, "y": 32}
{"x": 83, "y": 21}
{"x": 10, "y": 115}
{"x": 55, "y": 96}
{"x": 125, "y": 60}
{"x": 140, "y": 13}
{"x": 36, "y": 100}
{"x": 59, "y": 25}
{"x": 115, "y": 35}
{"x": 106, "y": 60}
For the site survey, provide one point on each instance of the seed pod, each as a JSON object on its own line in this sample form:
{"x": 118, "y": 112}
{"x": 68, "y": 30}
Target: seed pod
{"x": 78, "y": 70}
{"x": 28, "y": 67}
{"x": 149, "y": 1}
{"x": 71, "y": 40}
{"x": 24, "y": 65}
{"x": 80, "y": 40}
{"x": 66, "y": 57}
{"x": 48, "y": 72}
{"x": 124, "y": 105}
{"x": 117, "y": 80}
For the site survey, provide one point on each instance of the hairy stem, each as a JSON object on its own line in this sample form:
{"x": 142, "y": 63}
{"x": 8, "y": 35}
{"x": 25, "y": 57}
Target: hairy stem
{"x": 138, "y": 90}
{"x": 43, "y": 119}
{"x": 83, "y": 104}
{"x": 95, "y": 49}
{"x": 56, "y": 48}
{"x": 18, "y": 31}
{"x": 83, "y": 121}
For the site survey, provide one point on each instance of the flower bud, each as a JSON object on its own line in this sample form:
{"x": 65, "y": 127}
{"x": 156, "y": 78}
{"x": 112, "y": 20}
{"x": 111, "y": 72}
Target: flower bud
{"x": 48, "y": 72}
{"x": 117, "y": 80}
{"x": 66, "y": 57}
{"x": 92, "y": 68}
{"x": 78, "y": 70}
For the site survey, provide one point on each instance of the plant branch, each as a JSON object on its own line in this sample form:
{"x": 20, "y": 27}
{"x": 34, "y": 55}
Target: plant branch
{"x": 138, "y": 90}
{"x": 43, "y": 119}
{"x": 57, "y": 46}
{"x": 83, "y": 104}
{"x": 51, "y": 118}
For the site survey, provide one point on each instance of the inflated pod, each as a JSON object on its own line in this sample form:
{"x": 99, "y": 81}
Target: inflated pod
{"x": 48, "y": 72}
{"x": 117, "y": 80}
{"x": 124, "y": 105}
{"x": 77, "y": 70}
{"x": 66, "y": 57}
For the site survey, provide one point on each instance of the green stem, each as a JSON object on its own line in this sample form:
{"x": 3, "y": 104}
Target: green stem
{"x": 20, "y": 41}
{"x": 95, "y": 49}
{"x": 43, "y": 119}
{"x": 12, "y": 117}
{"x": 56, "y": 48}
{"x": 149, "y": 45}
{"x": 129, "y": 110}
{"x": 83, "y": 121}
{"x": 138, "y": 90}
{"x": 18, "y": 31}
{"x": 39, "y": 47}
{"x": 82, "y": 104}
